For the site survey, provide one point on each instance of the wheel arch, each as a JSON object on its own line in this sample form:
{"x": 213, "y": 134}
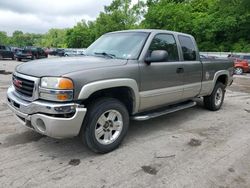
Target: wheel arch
{"x": 221, "y": 76}
{"x": 123, "y": 89}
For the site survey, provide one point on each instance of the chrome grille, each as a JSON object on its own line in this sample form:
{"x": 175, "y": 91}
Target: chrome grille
{"x": 23, "y": 86}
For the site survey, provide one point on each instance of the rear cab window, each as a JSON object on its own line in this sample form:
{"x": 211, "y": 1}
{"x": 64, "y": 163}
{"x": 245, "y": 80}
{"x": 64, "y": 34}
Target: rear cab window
{"x": 188, "y": 48}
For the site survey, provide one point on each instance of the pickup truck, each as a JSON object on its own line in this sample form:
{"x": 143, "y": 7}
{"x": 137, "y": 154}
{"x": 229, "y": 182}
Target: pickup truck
{"x": 132, "y": 74}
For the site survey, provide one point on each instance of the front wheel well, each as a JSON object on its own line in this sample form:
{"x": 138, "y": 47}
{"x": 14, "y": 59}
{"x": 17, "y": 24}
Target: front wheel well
{"x": 123, "y": 94}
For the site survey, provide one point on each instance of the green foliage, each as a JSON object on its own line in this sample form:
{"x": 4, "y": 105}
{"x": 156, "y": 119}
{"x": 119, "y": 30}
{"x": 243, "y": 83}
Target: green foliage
{"x": 217, "y": 25}
{"x": 3, "y": 38}
{"x": 21, "y": 39}
{"x": 118, "y": 16}
{"x": 53, "y": 38}
{"x": 81, "y": 35}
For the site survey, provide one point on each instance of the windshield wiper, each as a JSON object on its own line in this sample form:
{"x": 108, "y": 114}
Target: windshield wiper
{"x": 105, "y": 54}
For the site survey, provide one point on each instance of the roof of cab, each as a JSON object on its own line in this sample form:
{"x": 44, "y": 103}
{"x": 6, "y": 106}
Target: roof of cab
{"x": 152, "y": 31}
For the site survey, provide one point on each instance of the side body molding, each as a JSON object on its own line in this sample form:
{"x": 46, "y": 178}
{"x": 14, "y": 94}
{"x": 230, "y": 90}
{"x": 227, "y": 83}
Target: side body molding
{"x": 92, "y": 87}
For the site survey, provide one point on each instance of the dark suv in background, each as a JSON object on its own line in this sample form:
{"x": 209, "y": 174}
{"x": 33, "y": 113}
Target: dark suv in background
{"x": 31, "y": 53}
{"x": 5, "y": 52}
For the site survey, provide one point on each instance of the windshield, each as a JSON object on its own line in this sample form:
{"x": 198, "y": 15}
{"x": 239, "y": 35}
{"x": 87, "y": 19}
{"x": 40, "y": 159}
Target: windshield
{"x": 124, "y": 45}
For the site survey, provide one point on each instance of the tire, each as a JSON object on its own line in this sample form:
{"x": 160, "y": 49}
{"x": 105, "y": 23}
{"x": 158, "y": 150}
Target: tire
{"x": 238, "y": 71}
{"x": 101, "y": 118}
{"x": 214, "y": 101}
{"x": 13, "y": 58}
{"x": 19, "y": 59}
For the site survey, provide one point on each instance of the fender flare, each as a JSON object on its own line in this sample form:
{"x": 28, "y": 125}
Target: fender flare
{"x": 95, "y": 86}
{"x": 221, "y": 73}
{"x": 217, "y": 75}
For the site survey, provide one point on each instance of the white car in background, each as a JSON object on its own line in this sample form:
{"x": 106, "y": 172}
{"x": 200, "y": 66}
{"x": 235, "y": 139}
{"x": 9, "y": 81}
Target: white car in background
{"x": 70, "y": 53}
{"x": 74, "y": 52}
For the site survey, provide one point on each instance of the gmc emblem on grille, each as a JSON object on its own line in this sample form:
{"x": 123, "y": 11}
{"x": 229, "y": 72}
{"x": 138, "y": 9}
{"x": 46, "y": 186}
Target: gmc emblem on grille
{"x": 17, "y": 83}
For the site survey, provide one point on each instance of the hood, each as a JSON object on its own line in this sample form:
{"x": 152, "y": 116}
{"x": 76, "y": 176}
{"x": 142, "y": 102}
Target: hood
{"x": 65, "y": 65}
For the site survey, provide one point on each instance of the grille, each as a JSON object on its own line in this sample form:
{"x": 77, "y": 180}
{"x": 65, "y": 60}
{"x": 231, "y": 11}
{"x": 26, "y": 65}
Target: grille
{"x": 23, "y": 86}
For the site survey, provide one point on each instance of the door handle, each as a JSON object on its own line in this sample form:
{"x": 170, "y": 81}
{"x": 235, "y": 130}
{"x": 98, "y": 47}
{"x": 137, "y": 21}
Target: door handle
{"x": 179, "y": 70}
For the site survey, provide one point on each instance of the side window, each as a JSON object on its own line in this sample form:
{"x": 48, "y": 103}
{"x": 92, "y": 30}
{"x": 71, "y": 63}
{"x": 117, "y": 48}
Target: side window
{"x": 188, "y": 48}
{"x": 165, "y": 42}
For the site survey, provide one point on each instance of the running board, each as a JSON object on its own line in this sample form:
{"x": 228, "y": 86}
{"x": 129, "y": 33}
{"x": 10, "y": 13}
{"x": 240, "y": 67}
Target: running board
{"x": 168, "y": 110}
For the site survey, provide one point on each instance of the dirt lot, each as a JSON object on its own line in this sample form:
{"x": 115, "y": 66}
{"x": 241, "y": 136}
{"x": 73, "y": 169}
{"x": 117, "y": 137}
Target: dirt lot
{"x": 155, "y": 153}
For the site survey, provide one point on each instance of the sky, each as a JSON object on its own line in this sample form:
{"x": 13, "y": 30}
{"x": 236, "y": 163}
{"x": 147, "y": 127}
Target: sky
{"x": 38, "y": 16}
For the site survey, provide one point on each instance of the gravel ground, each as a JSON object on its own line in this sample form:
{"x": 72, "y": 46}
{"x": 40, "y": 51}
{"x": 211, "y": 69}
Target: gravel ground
{"x": 190, "y": 148}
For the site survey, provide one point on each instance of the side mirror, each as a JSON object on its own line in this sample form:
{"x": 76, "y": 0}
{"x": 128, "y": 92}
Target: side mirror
{"x": 157, "y": 56}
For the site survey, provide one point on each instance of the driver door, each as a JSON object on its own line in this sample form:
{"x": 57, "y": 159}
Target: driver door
{"x": 161, "y": 82}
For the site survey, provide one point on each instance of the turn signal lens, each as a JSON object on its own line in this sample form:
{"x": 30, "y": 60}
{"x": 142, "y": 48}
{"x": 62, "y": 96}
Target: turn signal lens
{"x": 62, "y": 97}
{"x": 65, "y": 83}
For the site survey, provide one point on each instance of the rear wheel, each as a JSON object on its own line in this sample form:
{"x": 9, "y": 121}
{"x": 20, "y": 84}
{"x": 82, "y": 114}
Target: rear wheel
{"x": 19, "y": 59}
{"x": 214, "y": 101}
{"x": 105, "y": 125}
{"x": 238, "y": 71}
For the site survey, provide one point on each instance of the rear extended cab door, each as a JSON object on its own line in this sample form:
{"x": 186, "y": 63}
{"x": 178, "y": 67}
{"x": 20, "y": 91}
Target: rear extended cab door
{"x": 192, "y": 66}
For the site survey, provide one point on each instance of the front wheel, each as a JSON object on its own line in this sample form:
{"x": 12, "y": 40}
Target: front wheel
{"x": 214, "y": 101}
{"x": 106, "y": 125}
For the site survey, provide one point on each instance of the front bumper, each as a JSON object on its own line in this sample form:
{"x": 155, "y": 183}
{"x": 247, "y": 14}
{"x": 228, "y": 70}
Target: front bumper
{"x": 57, "y": 120}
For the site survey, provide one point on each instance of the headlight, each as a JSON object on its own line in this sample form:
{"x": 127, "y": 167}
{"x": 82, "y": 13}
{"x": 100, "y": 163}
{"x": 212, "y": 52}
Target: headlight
{"x": 56, "y": 83}
{"x": 56, "y": 89}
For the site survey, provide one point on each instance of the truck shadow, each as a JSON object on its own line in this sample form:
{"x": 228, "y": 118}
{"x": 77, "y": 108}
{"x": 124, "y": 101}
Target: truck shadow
{"x": 74, "y": 148}
{"x": 170, "y": 122}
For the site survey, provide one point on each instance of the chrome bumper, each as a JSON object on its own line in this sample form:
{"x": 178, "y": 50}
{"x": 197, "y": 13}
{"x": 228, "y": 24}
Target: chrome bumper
{"x": 40, "y": 116}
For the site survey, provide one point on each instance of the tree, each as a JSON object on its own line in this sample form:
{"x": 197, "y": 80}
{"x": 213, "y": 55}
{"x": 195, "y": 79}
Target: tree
{"x": 119, "y": 15}
{"x": 3, "y": 38}
{"x": 54, "y": 38}
{"x": 218, "y": 25}
{"x": 81, "y": 35}
{"x": 21, "y": 39}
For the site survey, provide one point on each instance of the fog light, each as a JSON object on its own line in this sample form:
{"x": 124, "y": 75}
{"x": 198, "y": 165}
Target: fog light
{"x": 40, "y": 125}
{"x": 65, "y": 109}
